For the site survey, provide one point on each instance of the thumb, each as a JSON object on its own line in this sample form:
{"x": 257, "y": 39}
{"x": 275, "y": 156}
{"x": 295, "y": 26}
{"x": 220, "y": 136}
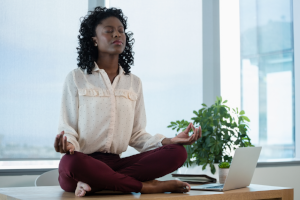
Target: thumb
{"x": 71, "y": 148}
{"x": 72, "y": 151}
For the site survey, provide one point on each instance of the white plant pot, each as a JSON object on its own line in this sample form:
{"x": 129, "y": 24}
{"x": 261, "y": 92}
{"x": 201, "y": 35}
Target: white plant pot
{"x": 223, "y": 172}
{"x": 195, "y": 169}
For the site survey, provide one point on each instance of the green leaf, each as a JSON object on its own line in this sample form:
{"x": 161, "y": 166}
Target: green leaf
{"x": 225, "y": 101}
{"x": 242, "y": 112}
{"x": 212, "y": 148}
{"x": 195, "y": 112}
{"x": 212, "y": 168}
{"x": 206, "y": 133}
{"x": 246, "y": 118}
{"x": 224, "y": 165}
{"x": 204, "y": 105}
{"x": 204, "y": 166}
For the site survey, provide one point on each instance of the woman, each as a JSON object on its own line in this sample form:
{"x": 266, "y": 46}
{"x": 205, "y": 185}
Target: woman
{"x": 103, "y": 112}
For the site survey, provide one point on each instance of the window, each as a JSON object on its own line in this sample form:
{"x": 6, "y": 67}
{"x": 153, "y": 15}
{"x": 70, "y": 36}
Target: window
{"x": 38, "y": 41}
{"x": 257, "y": 45}
{"x": 267, "y": 75}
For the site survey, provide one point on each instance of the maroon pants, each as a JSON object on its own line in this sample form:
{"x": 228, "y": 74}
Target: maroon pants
{"x": 104, "y": 171}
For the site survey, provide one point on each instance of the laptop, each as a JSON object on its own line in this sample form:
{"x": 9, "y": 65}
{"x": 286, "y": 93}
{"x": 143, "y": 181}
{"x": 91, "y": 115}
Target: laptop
{"x": 240, "y": 172}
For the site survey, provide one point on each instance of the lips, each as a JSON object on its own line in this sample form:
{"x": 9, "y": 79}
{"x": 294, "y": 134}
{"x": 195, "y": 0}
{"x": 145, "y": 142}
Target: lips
{"x": 119, "y": 42}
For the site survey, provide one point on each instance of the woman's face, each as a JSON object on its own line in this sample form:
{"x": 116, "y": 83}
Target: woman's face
{"x": 110, "y": 36}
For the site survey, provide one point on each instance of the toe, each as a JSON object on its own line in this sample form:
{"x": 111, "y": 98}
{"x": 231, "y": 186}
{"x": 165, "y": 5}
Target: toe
{"x": 187, "y": 185}
{"x": 82, "y": 193}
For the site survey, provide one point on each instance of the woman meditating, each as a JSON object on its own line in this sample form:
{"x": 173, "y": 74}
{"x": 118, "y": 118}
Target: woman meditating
{"x": 102, "y": 112}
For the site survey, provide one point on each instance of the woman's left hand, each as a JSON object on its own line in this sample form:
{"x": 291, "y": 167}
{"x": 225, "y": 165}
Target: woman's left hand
{"x": 184, "y": 138}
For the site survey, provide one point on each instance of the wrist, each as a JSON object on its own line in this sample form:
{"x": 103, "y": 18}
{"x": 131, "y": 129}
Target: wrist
{"x": 167, "y": 141}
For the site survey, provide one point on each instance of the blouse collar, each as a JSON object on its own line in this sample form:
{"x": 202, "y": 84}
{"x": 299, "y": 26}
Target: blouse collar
{"x": 96, "y": 68}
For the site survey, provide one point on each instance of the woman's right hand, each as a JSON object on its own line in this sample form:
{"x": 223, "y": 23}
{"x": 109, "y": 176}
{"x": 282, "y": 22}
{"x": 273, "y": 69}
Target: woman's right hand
{"x": 61, "y": 144}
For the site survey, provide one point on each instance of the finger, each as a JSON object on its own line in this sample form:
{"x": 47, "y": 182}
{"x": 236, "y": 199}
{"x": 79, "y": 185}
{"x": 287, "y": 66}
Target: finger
{"x": 56, "y": 141}
{"x": 195, "y": 130}
{"x": 61, "y": 143}
{"x": 193, "y": 127}
{"x": 65, "y": 144}
{"x": 186, "y": 140}
{"x": 198, "y": 134}
{"x": 191, "y": 138}
{"x": 187, "y": 130}
{"x": 195, "y": 135}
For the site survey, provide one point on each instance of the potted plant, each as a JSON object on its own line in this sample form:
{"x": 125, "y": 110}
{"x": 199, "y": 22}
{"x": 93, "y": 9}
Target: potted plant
{"x": 223, "y": 130}
{"x": 223, "y": 171}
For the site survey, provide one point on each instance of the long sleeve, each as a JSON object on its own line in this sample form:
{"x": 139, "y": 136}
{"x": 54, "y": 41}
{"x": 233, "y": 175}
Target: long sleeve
{"x": 140, "y": 139}
{"x": 68, "y": 121}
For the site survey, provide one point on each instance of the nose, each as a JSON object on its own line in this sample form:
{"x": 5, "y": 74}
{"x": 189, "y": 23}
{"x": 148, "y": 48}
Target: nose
{"x": 116, "y": 34}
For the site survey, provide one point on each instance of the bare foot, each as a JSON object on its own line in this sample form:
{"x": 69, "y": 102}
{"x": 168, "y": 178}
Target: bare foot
{"x": 156, "y": 186}
{"x": 82, "y": 188}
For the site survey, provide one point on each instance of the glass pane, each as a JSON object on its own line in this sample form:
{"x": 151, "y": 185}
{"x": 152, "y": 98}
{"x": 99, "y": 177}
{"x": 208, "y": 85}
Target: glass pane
{"x": 248, "y": 27}
{"x": 279, "y": 105}
{"x": 274, "y": 25}
{"x": 38, "y": 41}
{"x": 167, "y": 59}
{"x": 267, "y": 78}
{"x": 250, "y": 100}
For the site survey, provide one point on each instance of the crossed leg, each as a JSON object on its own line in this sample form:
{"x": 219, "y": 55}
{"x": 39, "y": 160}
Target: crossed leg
{"x": 97, "y": 174}
{"x": 152, "y": 164}
{"x": 129, "y": 174}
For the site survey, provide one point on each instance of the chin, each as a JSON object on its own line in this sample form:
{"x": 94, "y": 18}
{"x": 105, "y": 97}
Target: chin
{"x": 117, "y": 51}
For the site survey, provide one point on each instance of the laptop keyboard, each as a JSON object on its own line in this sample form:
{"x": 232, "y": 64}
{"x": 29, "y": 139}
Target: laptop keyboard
{"x": 218, "y": 186}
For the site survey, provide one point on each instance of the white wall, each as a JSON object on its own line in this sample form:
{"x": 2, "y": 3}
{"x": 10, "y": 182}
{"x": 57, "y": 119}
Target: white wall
{"x": 279, "y": 176}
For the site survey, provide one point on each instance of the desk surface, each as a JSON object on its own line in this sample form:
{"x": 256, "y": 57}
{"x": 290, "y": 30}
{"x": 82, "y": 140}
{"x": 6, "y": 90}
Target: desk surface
{"x": 55, "y": 192}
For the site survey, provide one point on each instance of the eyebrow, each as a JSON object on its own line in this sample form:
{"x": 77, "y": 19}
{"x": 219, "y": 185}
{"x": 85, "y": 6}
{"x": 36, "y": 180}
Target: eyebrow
{"x": 113, "y": 27}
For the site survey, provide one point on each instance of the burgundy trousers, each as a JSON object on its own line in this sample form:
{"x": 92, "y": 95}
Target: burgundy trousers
{"x": 104, "y": 171}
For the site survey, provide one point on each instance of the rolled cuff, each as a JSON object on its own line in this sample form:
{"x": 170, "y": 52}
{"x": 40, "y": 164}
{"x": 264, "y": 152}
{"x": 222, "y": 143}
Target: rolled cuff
{"x": 153, "y": 143}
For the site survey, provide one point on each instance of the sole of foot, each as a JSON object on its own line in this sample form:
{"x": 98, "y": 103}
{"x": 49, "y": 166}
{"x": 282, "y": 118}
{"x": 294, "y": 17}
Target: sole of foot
{"x": 156, "y": 186}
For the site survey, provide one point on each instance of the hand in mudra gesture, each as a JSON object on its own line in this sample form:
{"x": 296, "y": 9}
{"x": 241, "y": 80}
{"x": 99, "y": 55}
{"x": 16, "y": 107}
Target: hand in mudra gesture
{"x": 184, "y": 138}
{"x": 62, "y": 145}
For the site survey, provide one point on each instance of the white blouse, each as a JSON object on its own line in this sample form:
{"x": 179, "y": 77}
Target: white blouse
{"x": 98, "y": 116}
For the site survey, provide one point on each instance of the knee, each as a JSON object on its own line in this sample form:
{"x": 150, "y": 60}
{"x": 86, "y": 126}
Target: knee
{"x": 179, "y": 153}
{"x": 66, "y": 183}
{"x": 69, "y": 163}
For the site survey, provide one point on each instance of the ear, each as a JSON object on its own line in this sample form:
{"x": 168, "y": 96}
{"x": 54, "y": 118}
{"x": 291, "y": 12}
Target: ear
{"x": 94, "y": 40}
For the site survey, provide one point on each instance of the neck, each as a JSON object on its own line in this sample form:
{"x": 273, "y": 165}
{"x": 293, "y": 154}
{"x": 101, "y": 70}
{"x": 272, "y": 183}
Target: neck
{"x": 108, "y": 62}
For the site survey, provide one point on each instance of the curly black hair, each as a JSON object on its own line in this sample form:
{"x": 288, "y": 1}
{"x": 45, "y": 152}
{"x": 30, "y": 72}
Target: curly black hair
{"x": 88, "y": 52}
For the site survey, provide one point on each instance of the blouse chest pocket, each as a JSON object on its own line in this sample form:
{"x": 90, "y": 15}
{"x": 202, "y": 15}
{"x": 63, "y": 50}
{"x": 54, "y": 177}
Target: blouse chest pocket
{"x": 125, "y": 99}
{"x": 92, "y": 96}
{"x": 127, "y": 94}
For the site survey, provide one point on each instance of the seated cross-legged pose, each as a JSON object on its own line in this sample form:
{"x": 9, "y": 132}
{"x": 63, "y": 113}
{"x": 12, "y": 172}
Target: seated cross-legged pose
{"x": 102, "y": 112}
